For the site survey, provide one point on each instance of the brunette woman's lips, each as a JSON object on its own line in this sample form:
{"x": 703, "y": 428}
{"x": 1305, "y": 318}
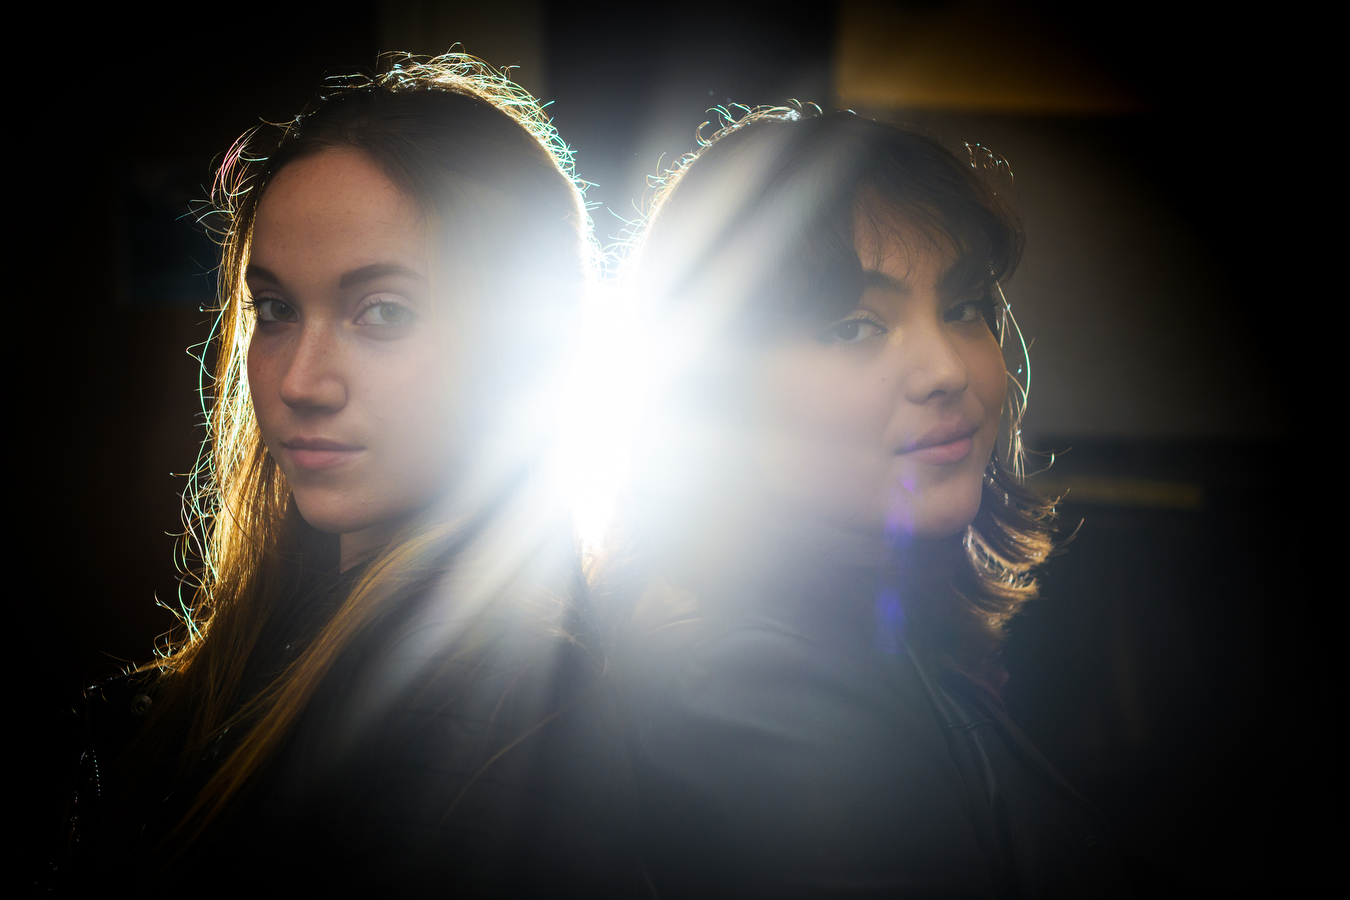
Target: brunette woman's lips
{"x": 319, "y": 453}
{"x": 943, "y": 445}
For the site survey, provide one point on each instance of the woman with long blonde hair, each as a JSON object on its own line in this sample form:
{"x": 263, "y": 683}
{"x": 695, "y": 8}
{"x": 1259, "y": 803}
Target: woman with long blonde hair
{"x": 384, "y": 676}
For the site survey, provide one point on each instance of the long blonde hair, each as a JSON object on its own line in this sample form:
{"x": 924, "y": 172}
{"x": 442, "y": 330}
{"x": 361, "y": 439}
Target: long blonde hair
{"x": 495, "y": 184}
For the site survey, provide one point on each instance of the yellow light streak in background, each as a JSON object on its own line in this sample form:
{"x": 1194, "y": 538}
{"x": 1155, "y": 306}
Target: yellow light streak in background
{"x": 972, "y": 56}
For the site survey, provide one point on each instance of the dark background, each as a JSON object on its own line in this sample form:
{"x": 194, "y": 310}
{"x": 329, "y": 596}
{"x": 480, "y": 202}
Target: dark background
{"x": 1178, "y": 285}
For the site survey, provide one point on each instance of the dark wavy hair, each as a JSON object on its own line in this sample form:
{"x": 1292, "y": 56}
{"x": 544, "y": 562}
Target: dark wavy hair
{"x": 759, "y": 225}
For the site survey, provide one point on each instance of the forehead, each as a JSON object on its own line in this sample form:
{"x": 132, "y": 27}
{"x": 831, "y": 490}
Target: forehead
{"x": 891, "y": 244}
{"x": 336, "y": 205}
{"x": 888, "y": 243}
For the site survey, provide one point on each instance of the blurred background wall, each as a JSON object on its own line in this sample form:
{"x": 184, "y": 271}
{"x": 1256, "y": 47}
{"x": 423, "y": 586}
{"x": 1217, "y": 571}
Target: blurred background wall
{"x": 1178, "y": 195}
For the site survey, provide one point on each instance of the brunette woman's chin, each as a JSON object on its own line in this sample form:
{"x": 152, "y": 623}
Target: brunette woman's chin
{"x": 933, "y": 512}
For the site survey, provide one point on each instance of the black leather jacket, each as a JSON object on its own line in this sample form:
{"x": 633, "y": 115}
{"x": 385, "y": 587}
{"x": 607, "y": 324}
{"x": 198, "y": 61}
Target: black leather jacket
{"x": 412, "y": 772}
{"x": 779, "y": 754}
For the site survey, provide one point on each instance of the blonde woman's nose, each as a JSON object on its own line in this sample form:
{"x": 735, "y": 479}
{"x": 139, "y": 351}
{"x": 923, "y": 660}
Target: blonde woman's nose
{"x": 314, "y": 376}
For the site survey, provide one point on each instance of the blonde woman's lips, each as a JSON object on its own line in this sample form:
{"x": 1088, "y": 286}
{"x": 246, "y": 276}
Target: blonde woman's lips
{"x": 320, "y": 453}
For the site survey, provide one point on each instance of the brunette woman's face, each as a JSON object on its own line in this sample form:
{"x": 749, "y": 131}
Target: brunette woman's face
{"x": 348, "y": 377}
{"x": 885, "y": 420}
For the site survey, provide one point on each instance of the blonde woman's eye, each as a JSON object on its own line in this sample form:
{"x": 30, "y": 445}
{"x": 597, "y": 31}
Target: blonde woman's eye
{"x": 270, "y": 309}
{"x": 852, "y": 331}
{"x": 385, "y": 313}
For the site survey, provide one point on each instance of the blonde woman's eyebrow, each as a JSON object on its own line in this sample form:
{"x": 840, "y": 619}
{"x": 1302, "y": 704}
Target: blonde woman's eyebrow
{"x": 379, "y": 270}
{"x": 260, "y": 272}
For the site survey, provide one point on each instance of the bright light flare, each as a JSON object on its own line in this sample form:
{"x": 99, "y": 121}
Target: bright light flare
{"x": 646, "y": 340}
{"x": 600, "y": 409}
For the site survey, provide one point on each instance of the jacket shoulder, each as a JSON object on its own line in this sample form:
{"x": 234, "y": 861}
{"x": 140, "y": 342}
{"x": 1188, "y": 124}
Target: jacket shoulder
{"x": 772, "y": 761}
{"x": 115, "y": 706}
{"x": 1048, "y": 838}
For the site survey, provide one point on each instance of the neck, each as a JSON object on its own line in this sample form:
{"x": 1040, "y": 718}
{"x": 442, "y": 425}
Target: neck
{"x": 358, "y": 546}
{"x": 821, "y": 566}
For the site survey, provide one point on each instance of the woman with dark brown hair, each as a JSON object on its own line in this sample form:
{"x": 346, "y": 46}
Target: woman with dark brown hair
{"x": 831, "y": 532}
{"x": 385, "y": 679}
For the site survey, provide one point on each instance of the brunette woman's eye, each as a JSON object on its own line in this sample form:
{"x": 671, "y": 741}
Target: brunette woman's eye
{"x": 970, "y": 311}
{"x": 385, "y": 313}
{"x": 852, "y": 331}
{"x": 270, "y": 309}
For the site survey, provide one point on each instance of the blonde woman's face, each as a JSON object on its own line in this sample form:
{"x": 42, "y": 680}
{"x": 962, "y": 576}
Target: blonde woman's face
{"x": 886, "y": 420}
{"x": 346, "y": 371}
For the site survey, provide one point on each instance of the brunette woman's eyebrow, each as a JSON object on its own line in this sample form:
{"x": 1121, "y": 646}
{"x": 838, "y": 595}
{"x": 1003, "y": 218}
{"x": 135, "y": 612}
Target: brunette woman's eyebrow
{"x": 379, "y": 270}
{"x": 874, "y": 279}
{"x": 964, "y": 277}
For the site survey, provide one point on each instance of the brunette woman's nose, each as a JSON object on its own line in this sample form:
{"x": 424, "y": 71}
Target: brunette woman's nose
{"x": 313, "y": 378}
{"x": 933, "y": 368}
